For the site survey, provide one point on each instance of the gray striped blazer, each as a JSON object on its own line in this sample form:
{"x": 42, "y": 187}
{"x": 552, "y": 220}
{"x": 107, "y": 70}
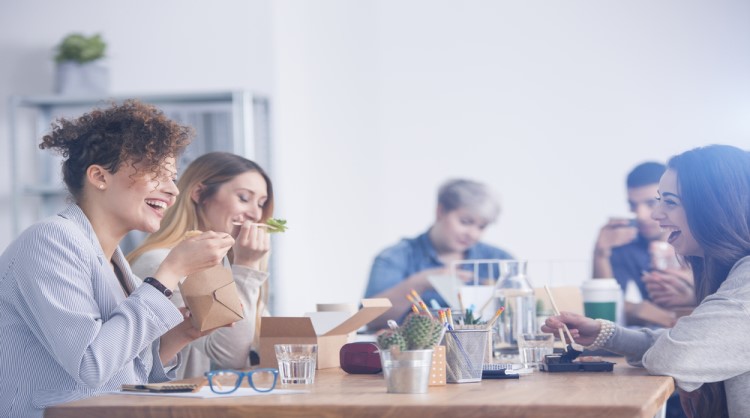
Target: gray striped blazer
{"x": 67, "y": 330}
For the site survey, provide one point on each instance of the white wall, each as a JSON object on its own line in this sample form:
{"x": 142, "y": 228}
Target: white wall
{"x": 377, "y": 102}
{"x": 153, "y": 47}
{"x": 549, "y": 102}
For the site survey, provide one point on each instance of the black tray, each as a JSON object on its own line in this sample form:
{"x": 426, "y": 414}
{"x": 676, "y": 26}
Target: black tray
{"x": 553, "y": 364}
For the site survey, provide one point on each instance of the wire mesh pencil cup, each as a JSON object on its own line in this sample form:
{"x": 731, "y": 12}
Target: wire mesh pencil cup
{"x": 465, "y": 351}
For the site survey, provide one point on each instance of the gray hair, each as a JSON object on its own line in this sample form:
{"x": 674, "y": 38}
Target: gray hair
{"x": 477, "y": 197}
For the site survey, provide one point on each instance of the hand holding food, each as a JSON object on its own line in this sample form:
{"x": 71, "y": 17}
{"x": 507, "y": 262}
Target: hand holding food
{"x": 194, "y": 253}
{"x": 617, "y": 232}
{"x": 251, "y": 245}
{"x": 670, "y": 288}
{"x": 176, "y": 338}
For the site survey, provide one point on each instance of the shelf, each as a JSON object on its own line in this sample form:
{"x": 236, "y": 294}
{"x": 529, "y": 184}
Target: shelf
{"x": 171, "y": 98}
{"x": 231, "y": 121}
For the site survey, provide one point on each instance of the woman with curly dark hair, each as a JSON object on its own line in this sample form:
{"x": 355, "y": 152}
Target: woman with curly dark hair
{"x": 74, "y": 320}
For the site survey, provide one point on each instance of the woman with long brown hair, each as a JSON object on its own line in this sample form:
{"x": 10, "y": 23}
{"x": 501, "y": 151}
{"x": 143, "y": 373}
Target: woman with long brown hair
{"x": 227, "y": 193}
{"x": 704, "y": 205}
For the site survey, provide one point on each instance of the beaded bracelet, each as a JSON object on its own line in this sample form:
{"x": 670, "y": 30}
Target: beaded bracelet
{"x": 606, "y": 332}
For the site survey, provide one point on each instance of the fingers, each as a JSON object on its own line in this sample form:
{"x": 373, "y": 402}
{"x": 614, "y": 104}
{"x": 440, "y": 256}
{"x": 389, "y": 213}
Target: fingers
{"x": 554, "y": 322}
{"x": 245, "y": 232}
{"x": 254, "y": 237}
{"x": 215, "y": 241}
{"x": 263, "y": 240}
{"x": 207, "y": 235}
{"x": 616, "y": 233}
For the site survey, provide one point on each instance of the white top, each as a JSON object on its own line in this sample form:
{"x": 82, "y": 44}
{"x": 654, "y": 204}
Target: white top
{"x": 225, "y": 348}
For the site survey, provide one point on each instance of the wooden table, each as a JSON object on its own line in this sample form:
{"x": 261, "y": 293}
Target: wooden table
{"x": 626, "y": 392}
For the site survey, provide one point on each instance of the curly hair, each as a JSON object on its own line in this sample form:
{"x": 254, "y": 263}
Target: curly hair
{"x": 131, "y": 132}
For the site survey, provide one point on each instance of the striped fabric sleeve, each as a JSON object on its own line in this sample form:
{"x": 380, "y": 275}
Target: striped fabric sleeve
{"x": 63, "y": 313}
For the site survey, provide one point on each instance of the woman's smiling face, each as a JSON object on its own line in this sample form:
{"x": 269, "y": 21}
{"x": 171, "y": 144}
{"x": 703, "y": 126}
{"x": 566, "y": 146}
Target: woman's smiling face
{"x": 239, "y": 199}
{"x": 670, "y": 213}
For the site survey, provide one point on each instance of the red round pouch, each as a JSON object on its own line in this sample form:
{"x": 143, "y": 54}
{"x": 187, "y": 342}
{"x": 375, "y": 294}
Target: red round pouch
{"x": 360, "y": 358}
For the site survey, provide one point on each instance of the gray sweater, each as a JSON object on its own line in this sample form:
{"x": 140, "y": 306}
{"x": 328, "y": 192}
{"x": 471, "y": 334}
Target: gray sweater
{"x": 710, "y": 345}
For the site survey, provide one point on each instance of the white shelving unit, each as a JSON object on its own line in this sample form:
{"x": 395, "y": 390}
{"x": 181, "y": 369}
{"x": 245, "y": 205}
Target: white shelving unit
{"x": 232, "y": 121}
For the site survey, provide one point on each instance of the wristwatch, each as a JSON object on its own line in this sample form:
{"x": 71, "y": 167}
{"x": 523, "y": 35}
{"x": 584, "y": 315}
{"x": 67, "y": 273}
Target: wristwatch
{"x": 160, "y": 287}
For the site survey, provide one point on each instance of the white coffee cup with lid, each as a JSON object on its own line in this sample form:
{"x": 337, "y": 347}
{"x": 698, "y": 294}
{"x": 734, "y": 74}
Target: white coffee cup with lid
{"x": 602, "y": 298}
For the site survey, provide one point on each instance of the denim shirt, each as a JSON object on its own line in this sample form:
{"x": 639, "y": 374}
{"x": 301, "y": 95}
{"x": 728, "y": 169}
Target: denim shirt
{"x": 412, "y": 255}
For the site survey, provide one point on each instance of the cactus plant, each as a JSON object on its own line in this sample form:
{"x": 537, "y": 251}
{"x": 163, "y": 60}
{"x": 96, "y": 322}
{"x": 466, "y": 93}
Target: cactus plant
{"x": 418, "y": 332}
{"x": 390, "y": 339}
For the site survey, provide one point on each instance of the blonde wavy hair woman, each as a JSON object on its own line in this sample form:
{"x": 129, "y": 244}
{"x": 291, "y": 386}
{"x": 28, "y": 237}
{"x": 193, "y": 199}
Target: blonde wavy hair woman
{"x": 220, "y": 192}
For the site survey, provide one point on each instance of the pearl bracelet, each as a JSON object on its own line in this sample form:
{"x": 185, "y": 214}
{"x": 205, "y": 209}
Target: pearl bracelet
{"x": 606, "y": 332}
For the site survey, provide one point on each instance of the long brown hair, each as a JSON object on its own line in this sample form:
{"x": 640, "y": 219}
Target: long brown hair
{"x": 208, "y": 172}
{"x": 714, "y": 186}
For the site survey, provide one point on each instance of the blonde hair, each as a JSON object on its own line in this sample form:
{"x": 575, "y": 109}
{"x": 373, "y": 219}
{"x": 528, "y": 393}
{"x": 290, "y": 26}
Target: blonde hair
{"x": 208, "y": 172}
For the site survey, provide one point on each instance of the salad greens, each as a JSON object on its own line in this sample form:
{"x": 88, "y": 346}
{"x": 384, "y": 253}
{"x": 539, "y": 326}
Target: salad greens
{"x": 276, "y": 225}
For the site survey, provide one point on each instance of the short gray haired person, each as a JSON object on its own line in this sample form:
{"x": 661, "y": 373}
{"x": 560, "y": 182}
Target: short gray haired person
{"x": 465, "y": 208}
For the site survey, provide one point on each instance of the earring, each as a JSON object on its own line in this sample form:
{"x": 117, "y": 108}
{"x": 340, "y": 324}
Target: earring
{"x": 101, "y": 187}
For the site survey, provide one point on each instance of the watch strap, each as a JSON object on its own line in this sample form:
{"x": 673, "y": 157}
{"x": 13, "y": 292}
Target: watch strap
{"x": 160, "y": 287}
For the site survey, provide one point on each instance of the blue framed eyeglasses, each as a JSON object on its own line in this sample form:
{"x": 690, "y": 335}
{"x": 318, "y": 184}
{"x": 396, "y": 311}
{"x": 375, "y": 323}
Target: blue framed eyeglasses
{"x": 227, "y": 381}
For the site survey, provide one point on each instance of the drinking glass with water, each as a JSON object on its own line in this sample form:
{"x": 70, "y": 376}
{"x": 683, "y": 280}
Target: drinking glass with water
{"x": 297, "y": 363}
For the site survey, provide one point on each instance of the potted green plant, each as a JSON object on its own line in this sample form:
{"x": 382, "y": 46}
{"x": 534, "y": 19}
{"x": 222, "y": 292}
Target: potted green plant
{"x": 79, "y": 65}
{"x": 406, "y": 353}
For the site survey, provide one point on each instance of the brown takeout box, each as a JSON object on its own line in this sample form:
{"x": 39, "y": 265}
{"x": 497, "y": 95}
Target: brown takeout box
{"x": 211, "y": 295}
{"x": 299, "y": 330}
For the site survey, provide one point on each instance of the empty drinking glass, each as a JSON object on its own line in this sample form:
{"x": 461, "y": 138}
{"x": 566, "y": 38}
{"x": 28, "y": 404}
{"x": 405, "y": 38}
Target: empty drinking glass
{"x": 533, "y": 348}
